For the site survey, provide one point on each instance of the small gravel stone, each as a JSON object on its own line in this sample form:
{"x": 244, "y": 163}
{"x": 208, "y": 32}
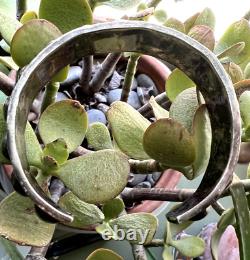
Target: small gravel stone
{"x": 115, "y": 81}
{"x": 150, "y": 179}
{"x": 145, "y": 81}
{"x": 61, "y": 96}
{"x": 144, "y": 94}
{"x": 101, "y": 98}
{"x": 133, "y": 100}
{"x": 103, "y": 107}
{"x": 95, "y": 115}
{"x": 135, "y": 179}
{"x": 156, "y": 176}
{"x": 73, "y": 76}
{"x": 145, "y": 184}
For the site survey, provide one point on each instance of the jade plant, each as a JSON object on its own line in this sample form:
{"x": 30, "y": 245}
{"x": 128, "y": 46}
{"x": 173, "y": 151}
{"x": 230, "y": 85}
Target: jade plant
{"x": 92, "y": 162}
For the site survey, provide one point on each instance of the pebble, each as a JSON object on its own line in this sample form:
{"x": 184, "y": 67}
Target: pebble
{"x": 150, "y": 179}
{"x": 95, "y": 115}
{"x": 145, "y": 81}
{"x": 61, "y": 96}
{"x": 103, "y": 107}
{"x": 135, "y": 179}
{"x": 115, "y": 81}
{"x": 156, "y": 176}
{"x": 144, "y": 184}
{"x": 133, "y": 99}
{"x": 101, "y": 98}
{"x": 73, "y": 76}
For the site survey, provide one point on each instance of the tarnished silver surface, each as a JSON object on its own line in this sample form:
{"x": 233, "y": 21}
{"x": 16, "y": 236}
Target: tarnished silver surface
{"x": 163, "y": 43}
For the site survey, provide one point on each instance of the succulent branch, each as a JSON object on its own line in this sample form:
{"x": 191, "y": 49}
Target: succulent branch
{"x": 21, "y": 8}
{"x": 49, "y": 95}
{"x": 153, "y": 3}
{"x": 86, "y": 74}
{"x": 129, "y": 76}
{"x": 139, "y": 252}
{"x": 144, "y": 167}
{"x": 156, "y": 243}
{"x": 161, "y": 99}
{"x": 6, "y": 84}
{"x": 140, "y": 15}
{"x": 103, "y": 73}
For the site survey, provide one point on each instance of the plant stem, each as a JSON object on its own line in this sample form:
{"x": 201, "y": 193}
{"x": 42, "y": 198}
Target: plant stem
{"x": 103, "y": 73}
{"x": 140, "y": 15}
{"x": 49, "y": 95}
{"x": 6, "y": 84}
{"x": 129, "y": 76}
{"x": 139, "y": 252}
{"x": 153, "y": 3}
{"x": 21, "y": 7}
{"x": 86, "y": 74}
{"x": 37, "y": 253}
{"x": 161, "y": 99}
{"x": 156, "y": 243}
{"x": 147, "y": 166}
{"x": 218, "y": 208}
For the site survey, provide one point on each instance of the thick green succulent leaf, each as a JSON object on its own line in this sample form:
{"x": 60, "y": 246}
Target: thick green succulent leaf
{"x": 167, "y": 253}
{"x": 96, "y": 177}
{"x": 8, "y": 7}
{"x": 104, "y": 254}
{"x": 184, "y": 107}
{"x": 176, "y": 83}
{"x": 8, "y": 62}
{"x": 206, "y": 17}
{"x": 98, "y": 137}
{"x": 20, "y": 223}
{"x": 23, "y": 50}
{"x": 160, "y": 15}
{"x": 84, "y": 214}
{"x": 27, "y": 16}
{"x": 139, "y": 222}
{"x": 49, "y": 165}
{"x": 128, "y": 127}
{"x": 8, "y": 27}
{"x": 189, "y": 23}
{"x": 242, "y": 217}
{"x": 175, "y": 24}
{"x": 244, "y": 102}
{"x": 232, "y": 51}
{"x": 4, "y": 69}
{"x": 58, "y": 150}
{"x": 237, "y": 32}
{"x": 174, "y": 229}
{"x": 65, "y": 119}
{"x": 113, "y": 208}
{"x": 169, "y": 143}
{"x": 120, "y": 4}
{"x": 204, "y": 35}
{"x": 247, "y": 71}
{"x": 234, "y": 71}
{"x": 159, "y": 112}
{"x": 202, "y": 134}
{"x": 8, "y": 250}
{"x": 33, "y": 148}
{"x": 189, "y": 246}
{"x": 66, "y": 15}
